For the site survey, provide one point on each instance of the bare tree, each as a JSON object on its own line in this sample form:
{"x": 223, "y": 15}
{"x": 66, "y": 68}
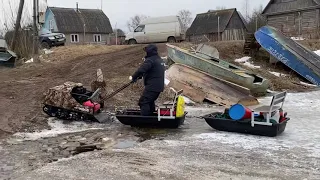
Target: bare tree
{"x": 256, "y": 20}
{"x": 246, "y": 9}
{"x": 119, "y": 32}
{"x": 17, "y": 25}
{"x": 135, "y": 21}
{"x": 186, "y": 19}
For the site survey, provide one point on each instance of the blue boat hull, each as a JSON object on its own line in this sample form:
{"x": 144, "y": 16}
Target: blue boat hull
{"x": 292, "y": 54}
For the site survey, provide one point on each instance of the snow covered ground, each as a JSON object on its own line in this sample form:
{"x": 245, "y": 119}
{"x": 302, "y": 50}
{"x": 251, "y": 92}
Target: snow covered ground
{"x": 199, "y": 152}
{"x": 277, "y": 74}
{"x": 245, "y": 61}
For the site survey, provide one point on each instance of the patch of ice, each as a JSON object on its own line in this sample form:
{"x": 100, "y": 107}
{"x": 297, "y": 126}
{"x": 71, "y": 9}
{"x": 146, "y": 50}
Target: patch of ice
{"x": 317, "y": 52}
{"x": 307, "y": 84}
{"x": 241, "y": 140}
{"x": 29, "y": 61}
{"x": 248, "y": 64}
{"x": 297, "y": 38}
{"x": 301, "y": 133}
{"x": 278, "y": 74}
{"x": 166, "y": 81}
{"x": 187, "y": 100}
{"x": 57, "y": 128}
{"x": 245, "y": 62}
{"x": 47, "y": 51}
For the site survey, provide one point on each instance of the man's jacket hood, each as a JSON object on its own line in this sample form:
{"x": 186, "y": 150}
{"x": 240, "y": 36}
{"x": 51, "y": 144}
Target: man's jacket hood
{"x": 151, "y": 50}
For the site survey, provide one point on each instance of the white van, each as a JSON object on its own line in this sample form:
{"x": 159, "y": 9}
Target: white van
{"x": 159, "y": 29}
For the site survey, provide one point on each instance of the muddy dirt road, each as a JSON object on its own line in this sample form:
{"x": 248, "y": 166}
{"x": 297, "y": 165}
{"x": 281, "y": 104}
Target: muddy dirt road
{"x": 21, "y": 89}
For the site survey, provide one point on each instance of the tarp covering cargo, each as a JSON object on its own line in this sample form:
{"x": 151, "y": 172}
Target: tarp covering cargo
{"x": 200, "y": 86}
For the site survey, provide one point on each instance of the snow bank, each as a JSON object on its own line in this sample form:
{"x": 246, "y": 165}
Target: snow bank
{"x": 297, "y": 38}
{"x": 29, "y": 61}
{"x": 278, "y": 74}
{"x": 245, "y": 62}
{"x": 47, "y": 51}
{"x": 306, "y": 84}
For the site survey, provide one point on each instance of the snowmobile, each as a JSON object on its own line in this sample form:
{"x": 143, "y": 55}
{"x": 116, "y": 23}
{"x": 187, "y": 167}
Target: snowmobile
{"x": 71, "y": 101}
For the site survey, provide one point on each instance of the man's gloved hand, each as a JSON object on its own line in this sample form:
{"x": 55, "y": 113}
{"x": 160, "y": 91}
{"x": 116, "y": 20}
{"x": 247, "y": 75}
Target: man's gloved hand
{"x": 132, "y": 80}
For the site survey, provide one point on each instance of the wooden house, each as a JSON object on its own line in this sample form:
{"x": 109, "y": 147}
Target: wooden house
{"x": 80, "y": 26}
{"x": 218, "y": 25}
{"x": 295, "y": 18}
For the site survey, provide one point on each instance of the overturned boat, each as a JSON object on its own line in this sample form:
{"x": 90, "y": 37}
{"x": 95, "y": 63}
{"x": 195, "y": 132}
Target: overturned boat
{"x": 200, "y": 86}
{"x": 219, "y": 68}
{"x": 291, "y": 53}
{"x": 7, "y": 57}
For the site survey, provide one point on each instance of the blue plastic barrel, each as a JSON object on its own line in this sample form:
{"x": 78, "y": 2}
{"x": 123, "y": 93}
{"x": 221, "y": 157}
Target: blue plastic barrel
{"x": 238, "y": 112}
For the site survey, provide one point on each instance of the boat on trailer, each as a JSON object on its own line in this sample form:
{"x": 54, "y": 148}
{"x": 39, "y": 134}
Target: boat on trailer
{"x": 219, "y": 68}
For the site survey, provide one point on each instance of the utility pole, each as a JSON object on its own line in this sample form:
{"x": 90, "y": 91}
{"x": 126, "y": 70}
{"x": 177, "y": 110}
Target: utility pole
{"x": 257, "y": 22}
{"x": 17, "y": 27}
{"x": 35, "y": 32}
{"x": 116, "y": 34}
{"x": 218, "y": 28}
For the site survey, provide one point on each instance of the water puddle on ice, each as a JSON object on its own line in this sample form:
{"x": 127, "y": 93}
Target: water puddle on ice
{"x": 58, "y": 128}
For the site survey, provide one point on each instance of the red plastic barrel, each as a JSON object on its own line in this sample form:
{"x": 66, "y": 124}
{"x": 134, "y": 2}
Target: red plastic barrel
{"x": 238, "y": 112}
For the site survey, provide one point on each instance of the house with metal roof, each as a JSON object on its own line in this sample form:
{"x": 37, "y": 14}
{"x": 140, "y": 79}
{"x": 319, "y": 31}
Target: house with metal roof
{"x": 214, "y": 25}
{"x": 81, "y": 26}
{"x": 295, "y": 18}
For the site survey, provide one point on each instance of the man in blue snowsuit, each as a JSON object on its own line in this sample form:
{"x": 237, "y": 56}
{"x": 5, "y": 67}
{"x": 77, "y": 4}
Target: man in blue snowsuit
{"x": 152, "y": 70}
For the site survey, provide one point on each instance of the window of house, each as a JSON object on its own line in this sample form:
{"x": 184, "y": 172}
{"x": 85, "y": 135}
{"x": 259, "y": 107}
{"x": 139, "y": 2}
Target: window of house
{"x": 74, "y": 38}
{"x": 51, "y": 25}
{"x": 97, "y": 37}
{"x": 140, "y": 28}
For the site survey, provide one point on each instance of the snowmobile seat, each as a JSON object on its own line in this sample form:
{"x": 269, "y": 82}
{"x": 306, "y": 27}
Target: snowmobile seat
{"x": 80, "y": 94}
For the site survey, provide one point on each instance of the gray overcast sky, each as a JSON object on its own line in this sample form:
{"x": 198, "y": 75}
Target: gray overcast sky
{"x": 119, "y": 11}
